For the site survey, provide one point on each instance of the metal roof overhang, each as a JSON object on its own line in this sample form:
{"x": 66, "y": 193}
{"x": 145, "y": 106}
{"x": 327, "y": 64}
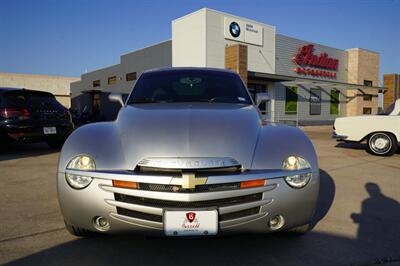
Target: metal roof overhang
{"x": 293, "y": 81}
{"x": 91, "y": 91}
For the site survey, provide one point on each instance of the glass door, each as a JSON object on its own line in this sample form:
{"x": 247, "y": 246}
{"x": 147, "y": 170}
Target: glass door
{"x": 265, "y": 107}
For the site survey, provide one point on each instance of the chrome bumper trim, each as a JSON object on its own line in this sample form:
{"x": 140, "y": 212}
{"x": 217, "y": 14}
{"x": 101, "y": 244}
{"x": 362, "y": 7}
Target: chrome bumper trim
{"x": 338, "y": 137}
{"x": 135, "y": 207}
{"x": 138, "y": 222}
{"x": 171, "y": 180}
{"x": 159, "y": 211}
{"x": 244, "y": 206}
{"x": 188, "y": 162}
{"x": 187, "y": 197}
{"x": 242, "y": 220}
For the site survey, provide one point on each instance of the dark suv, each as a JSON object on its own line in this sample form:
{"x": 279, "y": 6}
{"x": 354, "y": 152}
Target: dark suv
{"x": 33, "y": 116}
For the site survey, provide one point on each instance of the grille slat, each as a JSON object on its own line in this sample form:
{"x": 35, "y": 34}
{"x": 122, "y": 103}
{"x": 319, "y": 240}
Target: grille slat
{"x": 239, "y": 214}
{"x": 139, "y": 215}
{"x": 159, "y": 218}
{"x": 190, "y": 204}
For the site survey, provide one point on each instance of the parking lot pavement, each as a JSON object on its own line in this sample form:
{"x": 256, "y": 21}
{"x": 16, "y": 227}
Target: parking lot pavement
{"x": 357, "y": 221}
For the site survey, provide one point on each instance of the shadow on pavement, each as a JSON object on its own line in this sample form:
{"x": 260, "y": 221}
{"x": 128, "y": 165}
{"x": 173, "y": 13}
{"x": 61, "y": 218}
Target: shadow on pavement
{"x": 378, "y": 241}
{"x": 351, "y": 145}
{"x": 13, "y": 150}
{"x": 356, "y": 146}
{"x": 326, "y": 196}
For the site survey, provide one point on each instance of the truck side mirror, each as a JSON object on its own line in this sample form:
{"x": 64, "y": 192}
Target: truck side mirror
{"x": 262, "y": 97}
{"x": 116, "y": 97}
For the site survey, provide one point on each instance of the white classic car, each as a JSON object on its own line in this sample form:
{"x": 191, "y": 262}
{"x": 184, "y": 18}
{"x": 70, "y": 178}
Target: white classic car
{"x": 381, "y": 132}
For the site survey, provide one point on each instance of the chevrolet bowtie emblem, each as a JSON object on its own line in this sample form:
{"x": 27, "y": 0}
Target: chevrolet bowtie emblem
{"x": 189, "y": 180}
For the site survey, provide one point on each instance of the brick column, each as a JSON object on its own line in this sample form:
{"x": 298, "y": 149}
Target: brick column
{"x": 392, "y": 83}
{"x": 362, "y": 65}
{"x": 236, "y": 59}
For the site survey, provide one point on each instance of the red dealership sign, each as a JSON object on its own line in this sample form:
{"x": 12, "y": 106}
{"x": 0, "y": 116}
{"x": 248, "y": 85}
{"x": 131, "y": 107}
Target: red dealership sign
{"x": 306, "y": 58}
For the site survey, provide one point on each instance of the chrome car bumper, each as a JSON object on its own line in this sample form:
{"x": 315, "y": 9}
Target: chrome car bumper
{"x": 141, "y": 211}
{"x": 338, "y": 137}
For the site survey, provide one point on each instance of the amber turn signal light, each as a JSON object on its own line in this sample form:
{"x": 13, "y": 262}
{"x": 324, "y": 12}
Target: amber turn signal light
{"x": 124, "y": 184}
{"x": 252, "y": 183}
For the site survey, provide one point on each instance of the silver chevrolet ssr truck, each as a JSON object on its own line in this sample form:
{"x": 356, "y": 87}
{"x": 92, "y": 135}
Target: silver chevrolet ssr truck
{"x": 188, "y": 155}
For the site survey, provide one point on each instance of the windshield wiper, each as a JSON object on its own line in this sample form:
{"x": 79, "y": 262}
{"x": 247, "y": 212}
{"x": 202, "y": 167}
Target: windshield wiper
{"x": 221, "y": 99}
{"x": 145, "y": 100}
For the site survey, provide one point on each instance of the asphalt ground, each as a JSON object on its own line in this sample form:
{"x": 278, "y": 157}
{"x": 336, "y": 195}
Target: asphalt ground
{"x": 357, "y": 221}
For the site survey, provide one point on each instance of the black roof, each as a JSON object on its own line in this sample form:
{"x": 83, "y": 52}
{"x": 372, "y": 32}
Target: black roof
{"x": 5, "y": 89}
{"x": 8, "y": 89}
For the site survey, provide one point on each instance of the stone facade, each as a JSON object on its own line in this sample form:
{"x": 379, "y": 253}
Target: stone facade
{"x": 59, "y": 86}
{"x": 363, "y": 68}
{"x": 392, "y": 84}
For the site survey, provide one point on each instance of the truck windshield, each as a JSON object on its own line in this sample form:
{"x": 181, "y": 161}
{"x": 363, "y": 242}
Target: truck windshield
{"x": 189, "y": 86}
{"x": 388, "y": 110}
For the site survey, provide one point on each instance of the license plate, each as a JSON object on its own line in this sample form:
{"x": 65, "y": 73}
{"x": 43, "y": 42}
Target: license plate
{"x": 49, "y": 130}
{"x": 190, "y": 223}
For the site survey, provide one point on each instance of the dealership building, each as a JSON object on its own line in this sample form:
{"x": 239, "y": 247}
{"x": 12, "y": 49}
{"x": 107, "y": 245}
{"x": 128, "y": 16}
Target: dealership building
{"x": 308, "y": 83}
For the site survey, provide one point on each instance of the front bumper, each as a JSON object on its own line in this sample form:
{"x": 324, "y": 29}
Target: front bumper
{"x": 338, "y": 137}
{"x": 141, "y": 211}
{"x": 33, "y": 132}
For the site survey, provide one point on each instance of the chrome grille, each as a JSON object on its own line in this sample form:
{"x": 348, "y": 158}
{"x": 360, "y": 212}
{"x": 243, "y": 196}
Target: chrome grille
{"x": 239, "y": 214}
{"x": 159, "y": 218}
{"x": 198, "y": 189}
{"x": 187, "y": 204}
{"x": 139, "y": 215}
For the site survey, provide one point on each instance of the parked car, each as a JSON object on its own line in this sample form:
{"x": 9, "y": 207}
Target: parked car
{"x": 187, "y": 155}
{"x": 33, "y": 116}
{"x": 381, "y": 132}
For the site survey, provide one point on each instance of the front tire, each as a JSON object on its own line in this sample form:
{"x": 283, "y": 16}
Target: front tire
{"x": 55, "y": 144}
{"x": 77, "y": 231}
{"x": 299, "y": 230}
{"x": 382, "y": 144}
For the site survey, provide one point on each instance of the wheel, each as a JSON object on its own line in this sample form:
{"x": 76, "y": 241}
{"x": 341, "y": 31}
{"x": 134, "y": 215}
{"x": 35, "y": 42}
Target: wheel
{"x": 55, "y": 144}
{"x": 5, "y": 142}
{"x": 299, "y": 230}
{"x": 77, "y": 231}
{"x": 382, "y": 144}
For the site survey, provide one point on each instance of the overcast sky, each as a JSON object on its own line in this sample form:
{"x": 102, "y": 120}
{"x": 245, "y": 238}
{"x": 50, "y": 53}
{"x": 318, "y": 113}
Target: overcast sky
{"x": 70, "y": 37}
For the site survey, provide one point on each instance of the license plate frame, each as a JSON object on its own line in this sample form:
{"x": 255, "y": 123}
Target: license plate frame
{"x": 49, "y": 130}
{"x": 177, "y": 223}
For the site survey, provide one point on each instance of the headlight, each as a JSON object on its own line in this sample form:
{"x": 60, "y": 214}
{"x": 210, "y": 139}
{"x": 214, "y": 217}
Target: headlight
{"x": 296, "y": 163}
{"x": 81, "y": 162}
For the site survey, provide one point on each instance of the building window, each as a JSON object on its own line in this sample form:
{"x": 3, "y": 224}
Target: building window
{"x": 96, "y": 83}
{"x": 367, "y": 97}
{"x": 335, "y": 94}
{"x": 368, "y": 83}
{"x": 291, "y": 101}
{"x": 131, "y": 76}
{"x": 96, "y": 102}
{"x": 367, "y": 110}
{"x": 112, "y": 80}
{"x": 315, "y": 101}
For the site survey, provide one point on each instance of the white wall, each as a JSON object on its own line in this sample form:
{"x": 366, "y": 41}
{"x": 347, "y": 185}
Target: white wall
{"x": 198, "y": 39}
{"x": 189, "y": 40}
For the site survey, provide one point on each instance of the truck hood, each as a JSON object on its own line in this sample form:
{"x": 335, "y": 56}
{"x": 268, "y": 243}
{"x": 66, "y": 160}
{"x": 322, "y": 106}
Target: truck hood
{"x": 188, "y": 130}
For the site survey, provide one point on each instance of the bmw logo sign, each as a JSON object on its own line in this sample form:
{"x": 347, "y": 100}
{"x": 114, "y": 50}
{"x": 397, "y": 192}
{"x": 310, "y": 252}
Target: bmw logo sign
{"x": 234, "y": 29}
